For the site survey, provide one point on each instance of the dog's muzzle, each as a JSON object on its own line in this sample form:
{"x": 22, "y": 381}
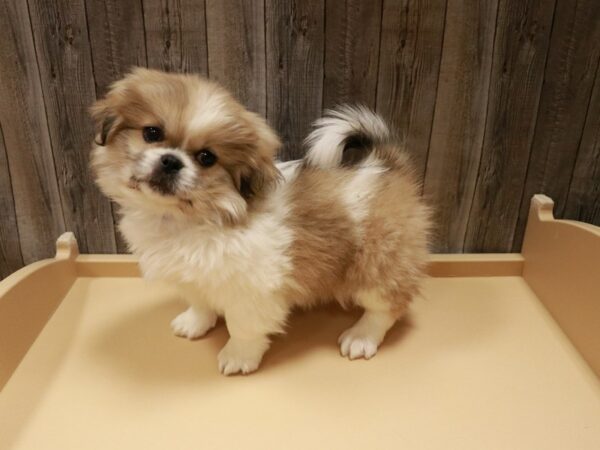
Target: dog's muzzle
{"x": 165, "y": 174}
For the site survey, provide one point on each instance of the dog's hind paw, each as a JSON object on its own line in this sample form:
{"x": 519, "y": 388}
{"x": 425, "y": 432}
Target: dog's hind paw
{"x": 355, "y": 344}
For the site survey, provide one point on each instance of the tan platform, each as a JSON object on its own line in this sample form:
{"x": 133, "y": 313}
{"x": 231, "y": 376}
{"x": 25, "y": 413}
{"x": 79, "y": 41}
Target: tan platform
{"x": 503, "y": 352}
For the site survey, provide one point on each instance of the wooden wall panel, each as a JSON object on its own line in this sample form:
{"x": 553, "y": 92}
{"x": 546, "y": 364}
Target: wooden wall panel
{"x": 294, "y": 51}
{"x": 409, "y": 63}
{"x": 117, "y": 43}
{"x": 176, "y": 35}
{"x": 568, "y": 80}
{"x": 352, "y": 36}
{"x": 11, "y": 258}
{"x": 236, "y": 49}
{"x": 520, "y": 49}
{"x": 459, "y": 118}
{"x": 495, "y": 100}
{"x": 22, "y": 115}
{"x": 117, "y": 39}
{"x": 62, "y": 48}
{"x": 583, "y": 201}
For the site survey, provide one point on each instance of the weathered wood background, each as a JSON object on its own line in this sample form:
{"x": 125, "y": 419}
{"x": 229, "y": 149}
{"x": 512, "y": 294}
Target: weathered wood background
{"x": 496, "y": 99}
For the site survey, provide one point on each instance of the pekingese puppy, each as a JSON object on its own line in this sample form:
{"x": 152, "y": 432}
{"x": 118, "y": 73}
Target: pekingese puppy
{"x": 205, "y": 206}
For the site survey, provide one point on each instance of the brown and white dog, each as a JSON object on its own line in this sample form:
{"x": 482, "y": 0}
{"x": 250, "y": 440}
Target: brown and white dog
{"x": 205, "y": 206}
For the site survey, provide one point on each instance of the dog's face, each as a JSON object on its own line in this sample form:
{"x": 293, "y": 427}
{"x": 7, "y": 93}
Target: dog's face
{"x": 181, "y": 145}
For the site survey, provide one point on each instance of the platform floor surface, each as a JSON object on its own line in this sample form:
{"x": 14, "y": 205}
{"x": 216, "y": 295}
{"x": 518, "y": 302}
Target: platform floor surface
{"x": 478, "y": 364}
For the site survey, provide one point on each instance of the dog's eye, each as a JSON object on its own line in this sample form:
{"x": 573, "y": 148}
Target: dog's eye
{"x": 153, "y": 134}
{"x": 206, "y": 158}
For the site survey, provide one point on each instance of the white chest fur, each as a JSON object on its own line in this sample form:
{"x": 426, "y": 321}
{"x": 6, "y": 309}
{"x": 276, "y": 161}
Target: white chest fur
{"x": 221, "y": 262}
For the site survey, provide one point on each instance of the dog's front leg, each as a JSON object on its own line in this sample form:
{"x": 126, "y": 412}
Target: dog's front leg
{"x": 249, "y": 328}
{"x": 198, "y": 319}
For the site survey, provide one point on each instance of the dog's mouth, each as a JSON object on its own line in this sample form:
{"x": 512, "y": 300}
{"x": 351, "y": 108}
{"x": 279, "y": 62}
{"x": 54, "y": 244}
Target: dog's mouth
{"x": 165, "y": 188}
{"x": 135, "y": 184}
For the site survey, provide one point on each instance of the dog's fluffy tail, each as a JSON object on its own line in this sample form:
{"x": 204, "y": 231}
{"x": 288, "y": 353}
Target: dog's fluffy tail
{"x": 348, "y": 134}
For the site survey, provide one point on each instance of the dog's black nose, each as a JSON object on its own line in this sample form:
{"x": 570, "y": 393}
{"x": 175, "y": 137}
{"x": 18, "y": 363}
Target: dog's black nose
{"x": 170, "y": 163}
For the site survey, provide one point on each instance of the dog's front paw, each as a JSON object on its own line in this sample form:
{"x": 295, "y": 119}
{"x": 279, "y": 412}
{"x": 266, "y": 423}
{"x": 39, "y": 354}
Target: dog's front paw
{"x": 241, "y": 356}
{"x": 357, "y": 344}
{"x": 193, "y": 323}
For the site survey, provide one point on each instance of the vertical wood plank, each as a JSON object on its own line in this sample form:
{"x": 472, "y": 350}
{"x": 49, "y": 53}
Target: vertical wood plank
{"x": 352, "y": 34}
{"x": 176, "y": 35}
{"x": 520, "y": 50}
{"x": 294, "y": 52}
{"x": 11, "y": 258}
{"x": 236, "y": 49}
{"x": 63, "y": 54}
{"x": 583, "y": 201}
{"x": 117, "y": 43}
{"x": 117, "y": 39}
{"x": 569, "y": 76}
{"x": 34, "y": 185}
{"x": 411, "y": 48}
{"x": 494, "y": 128}
{"x": 459, "y": 118}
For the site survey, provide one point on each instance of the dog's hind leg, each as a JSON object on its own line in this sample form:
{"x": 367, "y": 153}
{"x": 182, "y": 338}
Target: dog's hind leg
{"x": 364, "y": 337}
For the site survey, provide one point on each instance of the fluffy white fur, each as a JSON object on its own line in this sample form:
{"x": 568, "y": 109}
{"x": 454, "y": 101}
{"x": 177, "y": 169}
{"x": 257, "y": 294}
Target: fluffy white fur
{"x": 326, "y": 142}
{"x": 358, "y": 193}
{"x": 235, "y": 273}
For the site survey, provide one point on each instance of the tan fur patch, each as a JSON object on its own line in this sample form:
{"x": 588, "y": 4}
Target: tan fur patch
{"x": 334, "y": 257}
{"x": 324, "y": 240}
{"x": 393, "y": 253}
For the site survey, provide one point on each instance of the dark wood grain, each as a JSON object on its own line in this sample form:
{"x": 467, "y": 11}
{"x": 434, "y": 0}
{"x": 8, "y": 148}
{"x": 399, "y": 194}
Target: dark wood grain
{"x": 236, "y": 49}
{"x": 495, "y": 100}
{"x": 409, "y": 62}
{"x": 352, "y": 35}
{"x": 583, "y": 201}
{"x": 117, "y": 43}
{"x": 459, "y": 118}
{"x": 176, "y": 35}
{"x": 294, "y": 51}
{"x": 63, "y": 54}
{"x": 568, "y": 80}
{"x": 34, "y": 185}
{"x": 11, "y": 258}
{"x": 520, "y": 50}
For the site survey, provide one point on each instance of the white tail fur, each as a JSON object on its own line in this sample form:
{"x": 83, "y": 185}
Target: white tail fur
{"x": 332, "y": 132}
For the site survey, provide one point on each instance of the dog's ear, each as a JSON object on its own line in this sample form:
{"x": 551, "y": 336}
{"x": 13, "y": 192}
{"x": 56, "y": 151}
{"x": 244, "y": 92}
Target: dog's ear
{"x": 256, "y": 178}
{"x": 259, "y": 173}
{"x": 107, "y": 120}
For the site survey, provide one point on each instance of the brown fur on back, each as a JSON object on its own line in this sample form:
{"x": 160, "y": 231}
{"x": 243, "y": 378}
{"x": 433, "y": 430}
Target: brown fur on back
{"x": 324, "y": 244}
{"x": 392, "y": 255}
{"x": 334, "y": 257}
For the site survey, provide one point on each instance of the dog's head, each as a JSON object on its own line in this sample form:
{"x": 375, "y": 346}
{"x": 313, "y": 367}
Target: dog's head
{"x": 180, "y": 144}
